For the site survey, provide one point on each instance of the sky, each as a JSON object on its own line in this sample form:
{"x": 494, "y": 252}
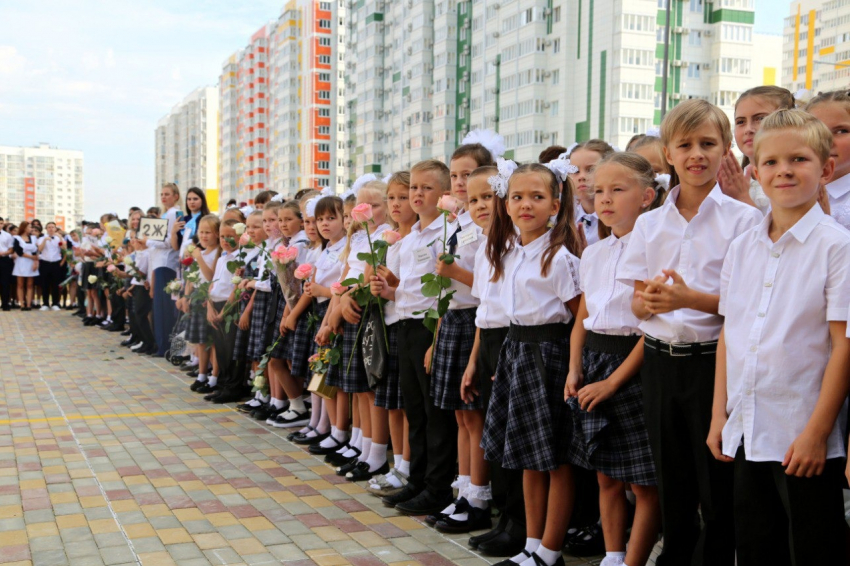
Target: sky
{"x": 97, "y": 75}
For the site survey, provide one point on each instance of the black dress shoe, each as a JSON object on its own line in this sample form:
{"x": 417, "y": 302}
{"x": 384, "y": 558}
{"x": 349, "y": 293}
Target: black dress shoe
{"x": 336, "y": 459}
{"x": 265, "y": 411}
{"x": 459, "y": 505}
{"x": 305, "y": 440}
{"x": 126, "y": 333}
{"x": 352, "y": 463}
{"x": 197, "y": 385}
{"x": 409, "y": 492}
{"x": 227, "y": 397}
{"x": 206, "y": 388}
{"x": 510, "y": 562}
{"x": 128, "y": 342}
{"x": 188, "y": 367}
{"x": 318, "y": 450}
{"x": 476, "y": 520}
{"x": 193, "y": 373}
{"x": 362, "y": 473}
{"x": 588, "y": 541}
{"x": 425, "y": 503}
{"x": 503, "y": 544}
{"x": 473, "y": 542}
{"x": 116, "y": 329}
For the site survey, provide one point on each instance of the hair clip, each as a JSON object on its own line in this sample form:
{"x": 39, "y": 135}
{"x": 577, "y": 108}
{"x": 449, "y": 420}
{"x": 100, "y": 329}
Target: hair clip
{"x": 561, "y": 167}
{"x": 492, "y": 142}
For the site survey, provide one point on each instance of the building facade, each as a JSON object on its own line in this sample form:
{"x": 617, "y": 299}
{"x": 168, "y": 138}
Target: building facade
{"x": 816, "y": 46}
{"x": 187, "y": 142}
{"x": 42, "y": 182}
{"x": 420, "y": 74}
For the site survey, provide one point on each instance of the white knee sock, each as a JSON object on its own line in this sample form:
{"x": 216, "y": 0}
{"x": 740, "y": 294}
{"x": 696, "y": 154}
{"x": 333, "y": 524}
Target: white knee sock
{"x": 365, "y": 450}
{"x": 377, "y": 456}
{"x": 531, "y": 544}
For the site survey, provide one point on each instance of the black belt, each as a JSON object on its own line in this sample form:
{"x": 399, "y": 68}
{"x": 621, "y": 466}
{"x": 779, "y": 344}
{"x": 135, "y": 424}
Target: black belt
{"x": 680, "y": 349}
{"x": 611, "y": 344}
{"x": 541, "y": 333}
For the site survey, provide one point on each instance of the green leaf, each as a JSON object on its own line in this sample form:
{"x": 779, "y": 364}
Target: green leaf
{"x": 350, "y": 281}
{"x": 364, "y": 256}
{"x": 232, "y": 266}
{"x": 443, "y": 304}
{"x": 444, "y": 282}
{"x": 431, "y": 289}
{"x": 432, "y": 313}
{"x": 427, "y": 277}
{"x": 333, "y": 357}
{"x": 430, "y": 324}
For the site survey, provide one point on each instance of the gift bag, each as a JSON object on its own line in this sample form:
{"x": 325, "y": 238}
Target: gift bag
{"x": 373, "y": 346}
{"x": 320, "y": 388}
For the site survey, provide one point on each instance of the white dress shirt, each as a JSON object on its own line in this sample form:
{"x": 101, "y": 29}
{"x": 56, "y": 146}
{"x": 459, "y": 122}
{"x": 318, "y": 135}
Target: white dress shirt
{"x": 778, "y": 299}
{"x": 529, "y": 298}
{"x": 663, "y": 239}
{"x": 393, "y": 264}
{"x": 589, "y": 222}
{"x": 141, "y": 264}
{"x": 161, "y": 253}
{"x": 360, "y": 245}
{"x": 209, "y": 259}
{"x": 7, "y": 242}
{"x": 491, "y": 312}
{"x": 328, "y": 267}
{"x": 221, "y": 286}
{"x": 839, "y": 200}
{"x": 608, "y": 300}
{"x": 469, "y": 239}
{"x": 417, "y": 258}
{"x": 51, "y": 252}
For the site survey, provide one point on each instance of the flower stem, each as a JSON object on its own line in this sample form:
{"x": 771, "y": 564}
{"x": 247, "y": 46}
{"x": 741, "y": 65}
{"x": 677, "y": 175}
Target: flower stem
{"x": 375, "y": 268}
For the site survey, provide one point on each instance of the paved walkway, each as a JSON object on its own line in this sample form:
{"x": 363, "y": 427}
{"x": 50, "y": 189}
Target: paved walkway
{"x": 107, "y": 458}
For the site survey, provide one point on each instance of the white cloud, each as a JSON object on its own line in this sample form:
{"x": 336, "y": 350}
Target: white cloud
{"x": 11, "y": 62}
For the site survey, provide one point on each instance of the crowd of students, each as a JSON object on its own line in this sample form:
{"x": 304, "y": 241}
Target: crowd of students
{"x": 643, "y": 343}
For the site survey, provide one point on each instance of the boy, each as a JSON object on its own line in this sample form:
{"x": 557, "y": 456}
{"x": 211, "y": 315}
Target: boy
{"x": 145, "y": 343}
{"x": 433, "y": 431}
{"x": 220, "y": 295}
{"x": 673, "y": 260}
{"x": 783, "y": 357}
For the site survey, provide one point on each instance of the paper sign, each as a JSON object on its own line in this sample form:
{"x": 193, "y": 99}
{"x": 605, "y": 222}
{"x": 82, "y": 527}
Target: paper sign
{"x": 154, "y": 229}
{"x": 115, "y": 231}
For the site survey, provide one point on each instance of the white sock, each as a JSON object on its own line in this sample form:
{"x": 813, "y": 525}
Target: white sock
{"x": 613, "y": 559}
{"x": 193, "y": 359}
{"x": 531, "y": 544}
{"x": 202, "y": 377}
{"x": 548, "y": 556}
{"x": 263, "y": 398}
{"x": 404, "y": 467}
{"x": 461, "y": 482}
{"x": 341, "y": 435}
{"x": 213, "y": 380}
{"x": 479, "y": 496}
{"x": 397, "y": 460}
{"x": 329, "y": 441}
{"x": 377, "y": 456}
{"x": 297, "y": 405}
{"x": 277, "y": 403}
{"x": 315, "y": 410}
{"x": 365, "y": 450}
{"x": 324, "y": 421}
{"x": 356, "y": 435}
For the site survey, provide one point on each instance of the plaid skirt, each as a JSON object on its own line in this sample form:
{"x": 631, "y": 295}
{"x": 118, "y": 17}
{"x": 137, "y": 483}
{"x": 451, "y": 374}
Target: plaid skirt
{"x": 454, "y": 346}
{"x": 280, "y": 349}
{"x": 198, "y": 330}
{"x": 259, "y": 326}
{"x": 241, "y": 342}
{"x": 612, "y": 438}
{"x": 388, "y": 392}
{"x": 334, "y": 375}
{"x": 352, "y": 376}
{"x": 528, "y": 424}
{"x": 304, "y": 340}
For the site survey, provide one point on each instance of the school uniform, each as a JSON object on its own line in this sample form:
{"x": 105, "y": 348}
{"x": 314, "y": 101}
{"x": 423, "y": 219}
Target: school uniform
{"x": 50, "y": 269}
{"x": 589, "y": 222}
{"x": 7, "y": 265}
{"x": 25, "y": 267}
{"x": 142, "y": 303}
{"x": 456, "y": 335}
{"x": 777, "y": 348}
{"x": 612, "y": 438}
{"x": 678, "y": 373}
{"x": 258, "y": 334}
{"x": 328, "y": 271}
{"x": 198, "y": 330}
{"x": 257, "y": 318}
{"x": 352, "y": 378}
{"x": 388, "y": 391}
{"x": 839, "y": 200}
{"x": 432, "y": 431}
{"x": 224, "y": 339}
{"x": 303, "y": 339}
{"x": 281, "y": 346}
{"x": 493, "y": 323}
{"x": 528, "y": 424}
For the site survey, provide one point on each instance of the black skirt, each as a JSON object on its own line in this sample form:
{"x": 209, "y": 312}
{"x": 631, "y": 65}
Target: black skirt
{"x": 198, "y": 330}
{"x": 352, "y": 377}
{"x": 454, "y": 346}
{"x": 528, "y": 424}
{"x": 388, "y": 392}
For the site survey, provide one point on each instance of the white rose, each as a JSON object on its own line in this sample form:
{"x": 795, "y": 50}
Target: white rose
{"x": 239, "y": 229}
{"x": 190, "y": 248}
{"x": 92, "y": 279}
{"x": 128, "y": 261}
{"x": 107, "y": 239}
{"x": 236, "y": 280}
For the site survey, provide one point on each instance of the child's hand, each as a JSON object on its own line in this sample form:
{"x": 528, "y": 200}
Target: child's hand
{"x": 575, "y": 379}
{"x": 590, "y": 396}
{"x": 291, "y": 322}
{"x": 211, "y": 318}
{"x": 197, "y": 253}
{"x": 252, "y": 284}
{"x": 661, "y": 298}
{"x": 806, "y": 457}
{"x": 323, "y": 336}
{"x": 388, "y": 276}
{"x": 468, "y": 386}
{"x": 731, "y": 179}
{"x": 377, "y": 284}
{"x": 715, "y": 439}
{"x": 444, "y": 269}
{"x": 428, "y": 360}
{"x": 244, "y": 321}
{"x": 350, "y": 309}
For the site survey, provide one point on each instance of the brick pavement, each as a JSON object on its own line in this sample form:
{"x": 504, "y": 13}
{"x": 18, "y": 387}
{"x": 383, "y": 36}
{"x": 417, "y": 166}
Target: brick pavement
{"x": 106, "y": 458}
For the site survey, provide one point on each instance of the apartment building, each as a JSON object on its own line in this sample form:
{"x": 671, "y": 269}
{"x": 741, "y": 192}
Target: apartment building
{"x": 42, "y": 182}
{"x": 187, "y": 144}
{"x": 816, "y": 46}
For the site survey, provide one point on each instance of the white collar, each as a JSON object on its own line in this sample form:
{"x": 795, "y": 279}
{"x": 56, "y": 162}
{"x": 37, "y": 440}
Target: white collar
{"x": 839, "y": 187}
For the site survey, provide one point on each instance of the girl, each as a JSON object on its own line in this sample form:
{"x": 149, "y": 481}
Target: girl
{"x": 528, "y": 426}
{"x": 650, "y": 148}
{"x": 26, "y": 264}
{"x": 606, "y": 351}
{"x": 833, "y": 109}
{"x": 585, "y": 156}
{"x": 389, "y": 402}
{"x": 352, "y": 378}
{"x": 206, "y": 256}
{"x": 220, "y": 295}
{"x": 751, "y": 108}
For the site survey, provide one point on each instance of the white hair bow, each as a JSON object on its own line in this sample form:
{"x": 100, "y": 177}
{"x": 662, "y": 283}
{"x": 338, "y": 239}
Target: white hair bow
{"x": 562, "y": 167}
{"x": 247, "y": 209}
{"x": 663, "y": 180}
{"x": 358, "y": 184}
{"x": 277, "y": 198}
{"x": 499, "y": 182}
{"x": 654, "y": 132}
{"x": 327, "y": 192}
{"x": 310, "y": 206}
{"x": 493, "y": 142}
{"x": 386, "y": 180}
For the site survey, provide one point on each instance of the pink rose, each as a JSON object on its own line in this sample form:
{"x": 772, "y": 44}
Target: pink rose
{"x": 304, "y": 271}
{"x": 362, "y": 212}
{"x": 391, "y": 236}
{"x": 452, "y": 217}
{"x": 244, "y": 239}
{"x": 110, "y": 268}
{"x": 337, "y": 288}
{"x": 449, "y": 204}
{"x": 290, "y": 255}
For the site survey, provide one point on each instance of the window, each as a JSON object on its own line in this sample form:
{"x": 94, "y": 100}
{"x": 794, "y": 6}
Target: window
{"x": 324, "y": 112}
{"x": 695, "y": 38}
{"x": 325, "y": 77}
{"x": 556, "y": 45}
{"x": 325, "y": 41}
{"x": 324, "y": 95}
{"x": 634, "y": 125}
{"x": 733, "y": 32}
{"x": 324, "y": 165}
{"x": 324, "y": 59}
{"x": 632, "y": 91}
{"x": 326, "y": 6}
{"x": 325, "y": 130}
{"x": 693, "y": 71}
{"x": 696, "y": 5}
{"x": 556, "y": 14}
{"x": 324, "y": 147}
{"x": 325, "y": 24}
{"x": 732, "y": 66}
{"x": 636, "y": 22}
{"x": 637, "y": 57}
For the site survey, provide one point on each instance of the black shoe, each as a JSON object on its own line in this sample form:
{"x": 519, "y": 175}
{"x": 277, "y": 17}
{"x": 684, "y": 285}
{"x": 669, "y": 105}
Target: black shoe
{"x": 425, "y": 503}
{"x": 153, "y": 352}
{"x": 227, "y": 397}
{"x": 409, "y": 492}
{"x": 510, "y": 562}
{"x": 586, "y": 542}
{"x": 317, "y": 450}
{"x": 477, "y": 519}
{"x": 206, "y": 388}
{"x": 265, "y": 411}
{"x": 473, "y": 542}
{"x": 188, "y": 367}
{"x": 128, "y": 342}
{"x": 362, "y": 473}
{"x": 459, "y": 505}
{"x": 503, "y": 544}
{"x": 348, "y": 466}
{"x": 336, "y": 459}
{"x": 247, "y": 407}
{"x": 126, "y": 333}
{"x": 116, "y": 329}
{"x": 193, "y": 373}
{"x": 197, "y": 385}
{"x": 305, "y": 440}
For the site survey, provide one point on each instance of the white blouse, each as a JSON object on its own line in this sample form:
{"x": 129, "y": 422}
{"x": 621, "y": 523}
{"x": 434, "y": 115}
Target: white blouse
{"x": 491, "y": 312}
{"x": 360, "y": 244}
{"x": 608, "y": 301}
{"x": 51, "y": 252}
{"x": 328, "y": 266}
{"x": 469, "y": 239}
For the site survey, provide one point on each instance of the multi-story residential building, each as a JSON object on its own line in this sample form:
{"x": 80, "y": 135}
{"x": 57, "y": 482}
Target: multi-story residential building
{"x": 187, "y": 144}
{"x": 541, "y": 72}
{"x": 816, "y": 46}
{"x": 42, "y": 182}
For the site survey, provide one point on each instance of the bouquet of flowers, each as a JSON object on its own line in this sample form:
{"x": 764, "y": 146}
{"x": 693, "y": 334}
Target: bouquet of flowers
{"x": 282, "y": 260}
{"x": 174, "y": 287}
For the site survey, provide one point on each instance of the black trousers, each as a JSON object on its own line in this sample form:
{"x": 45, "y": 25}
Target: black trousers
{"x": 432, "y": 431}
{"x": 506, "y": 483}
{"x": 6, "y": 267}
{"x": 142, "y": 305}
{"x": 51, "y": 276}
{"x": 119, "y": 310}
{"x": 677, "y": 396}
{"x": 783, "y": 520}
{"x": 228, "y": 374}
